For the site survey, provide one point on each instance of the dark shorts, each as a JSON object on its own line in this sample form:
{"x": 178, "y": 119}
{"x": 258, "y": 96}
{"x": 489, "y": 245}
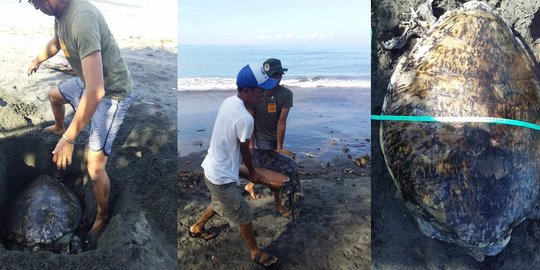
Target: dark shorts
{"x": 228, "y": 202}
{"x": 106, "y": 120}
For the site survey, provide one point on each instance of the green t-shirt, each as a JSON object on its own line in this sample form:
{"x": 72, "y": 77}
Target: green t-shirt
{"x": 82, "y": 30}
{"x": 267, "y": 115}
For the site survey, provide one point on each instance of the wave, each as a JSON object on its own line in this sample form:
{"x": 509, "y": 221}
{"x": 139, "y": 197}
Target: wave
{"x": 208, "y": 84}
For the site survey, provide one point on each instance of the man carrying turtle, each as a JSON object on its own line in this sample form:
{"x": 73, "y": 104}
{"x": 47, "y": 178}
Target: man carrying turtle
{"x": 101, "y": 92}
{"x": 268, "y": 139}
{"x": 230, "y": 143}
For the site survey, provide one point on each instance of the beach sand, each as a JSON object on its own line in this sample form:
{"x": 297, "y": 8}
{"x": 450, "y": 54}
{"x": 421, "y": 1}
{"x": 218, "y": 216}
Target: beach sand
{"x": 397, "y": 243}
{"x": 141, "y": 231}
{"x": 329, "y": 131}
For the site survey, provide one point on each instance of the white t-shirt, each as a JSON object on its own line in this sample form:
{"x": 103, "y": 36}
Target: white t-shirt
{"x": 234, "y": 124}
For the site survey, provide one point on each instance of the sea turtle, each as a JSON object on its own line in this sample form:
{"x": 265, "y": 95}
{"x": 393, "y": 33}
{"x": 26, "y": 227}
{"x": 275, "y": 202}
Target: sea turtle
{"x": 466, "y": 182}
{"x": 44, "y": 216}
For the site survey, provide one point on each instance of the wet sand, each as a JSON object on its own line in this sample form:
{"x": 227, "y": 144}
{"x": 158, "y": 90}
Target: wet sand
{"x": 397, "y": 243}
{"x": 141, "y": 231}
{"x": 328, "y": 129}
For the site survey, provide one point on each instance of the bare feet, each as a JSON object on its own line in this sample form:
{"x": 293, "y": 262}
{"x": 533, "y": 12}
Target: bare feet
{"x": 95, "y": 232}
{"x": 197, "y": 232}
{"x": 54, "y": 129}
{"x": 250, "y": 188}
{"x": 283, "y": 211}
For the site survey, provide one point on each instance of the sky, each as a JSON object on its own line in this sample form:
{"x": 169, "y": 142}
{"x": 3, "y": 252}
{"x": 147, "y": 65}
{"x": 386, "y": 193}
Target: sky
{"x": 279, "y": 22}
{"x": 153, "y": 19}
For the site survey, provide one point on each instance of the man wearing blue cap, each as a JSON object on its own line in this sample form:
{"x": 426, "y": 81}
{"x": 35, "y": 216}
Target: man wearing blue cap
{"x": 229, "y": 144}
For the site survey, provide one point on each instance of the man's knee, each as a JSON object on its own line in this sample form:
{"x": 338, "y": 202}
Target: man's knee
{"x": 96, "y": 162}
{"x": 55, "y": 97}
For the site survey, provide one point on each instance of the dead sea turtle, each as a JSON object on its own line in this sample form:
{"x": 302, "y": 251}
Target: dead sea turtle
{"x": 466, "y": 182}
{"x": 44, "y": 216}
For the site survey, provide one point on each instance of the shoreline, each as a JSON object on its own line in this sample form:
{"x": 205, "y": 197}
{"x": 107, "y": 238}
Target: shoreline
{"x": 335, "y": 182}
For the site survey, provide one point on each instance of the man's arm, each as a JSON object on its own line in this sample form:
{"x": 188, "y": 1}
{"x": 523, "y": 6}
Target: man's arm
{"x": 92, "y": 68}
{"x": 50, "y": 50}
{"x": 246, "y": 157}
{"x": 253, "y": 114}
{"x": 94, "y": 91}
{"x": 281, "y": 126}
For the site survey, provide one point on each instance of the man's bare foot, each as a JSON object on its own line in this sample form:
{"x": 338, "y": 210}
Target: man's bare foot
{"x": 95, "y": 232}
{"x": 197, "y": 232}
{"x": 54, "y": 129}
{"x": 283, "y": 211}
{"x": 250, "y": 188}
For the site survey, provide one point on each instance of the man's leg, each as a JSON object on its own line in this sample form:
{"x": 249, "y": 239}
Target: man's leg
{"x": 206, "y": 216}
{"x": 248, "y": 235}
{"x": 57, "y": 105}
{"x": 279, "y": 205}
{"x": 96, "y": 161}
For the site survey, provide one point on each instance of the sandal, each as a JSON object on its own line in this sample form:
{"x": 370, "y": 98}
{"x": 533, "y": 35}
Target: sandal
{"x": 268, "y": 263}
{"x": 204, "y": 234}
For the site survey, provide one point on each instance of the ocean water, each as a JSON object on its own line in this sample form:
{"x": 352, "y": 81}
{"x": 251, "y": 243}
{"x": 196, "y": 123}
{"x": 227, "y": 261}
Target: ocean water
{"x": 214, "y": 67}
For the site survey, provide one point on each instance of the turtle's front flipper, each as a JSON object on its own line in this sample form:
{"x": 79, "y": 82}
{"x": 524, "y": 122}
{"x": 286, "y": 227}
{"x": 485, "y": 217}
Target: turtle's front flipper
{"x": 536, "y": 49}
{"x": 420, "y": 21}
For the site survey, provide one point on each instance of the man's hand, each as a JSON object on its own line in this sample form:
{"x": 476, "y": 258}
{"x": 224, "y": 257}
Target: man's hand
{"x": 32, "y": 67}
{"x": 287, "y": 153}
{"x": 62, "y": 154}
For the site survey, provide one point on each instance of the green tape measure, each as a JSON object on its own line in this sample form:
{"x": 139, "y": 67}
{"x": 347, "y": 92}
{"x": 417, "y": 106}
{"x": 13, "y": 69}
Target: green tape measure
{"x": 461, "y": 119}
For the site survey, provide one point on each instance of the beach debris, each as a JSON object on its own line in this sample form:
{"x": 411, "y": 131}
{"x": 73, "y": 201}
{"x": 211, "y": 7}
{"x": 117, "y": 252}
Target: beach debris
{"x": 146, "y": 102}
{"x": 62, "y": 67}
{"x": 44, "y": 216}
{"x": 466, "y": 183}
{"x": 362, "y": 161}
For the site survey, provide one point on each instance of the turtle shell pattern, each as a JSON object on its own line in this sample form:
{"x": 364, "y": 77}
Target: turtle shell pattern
{"x": 465, "y": 183}
{"x": 42, "y": 213}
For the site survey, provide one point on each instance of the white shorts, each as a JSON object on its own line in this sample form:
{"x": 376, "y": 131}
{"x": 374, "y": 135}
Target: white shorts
{"x": 106, "y": 120}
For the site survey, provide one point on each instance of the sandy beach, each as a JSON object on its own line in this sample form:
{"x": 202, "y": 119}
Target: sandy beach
{"x": 141, "y": 231}
{"x": 397, "y": 243}
{"x": 329, "y": 131}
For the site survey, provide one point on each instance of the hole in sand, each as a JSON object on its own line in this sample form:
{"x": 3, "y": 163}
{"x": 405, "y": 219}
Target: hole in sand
{"x": 54, "y": 221}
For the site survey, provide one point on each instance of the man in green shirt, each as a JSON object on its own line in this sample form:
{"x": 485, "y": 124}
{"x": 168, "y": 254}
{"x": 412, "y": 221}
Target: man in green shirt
{"x": 101, "y": 92}
{"x": 270, "y": 125}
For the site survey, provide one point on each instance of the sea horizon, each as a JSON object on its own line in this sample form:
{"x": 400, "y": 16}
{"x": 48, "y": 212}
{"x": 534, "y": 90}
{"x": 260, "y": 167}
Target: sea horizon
{"x": 214, "y": 67}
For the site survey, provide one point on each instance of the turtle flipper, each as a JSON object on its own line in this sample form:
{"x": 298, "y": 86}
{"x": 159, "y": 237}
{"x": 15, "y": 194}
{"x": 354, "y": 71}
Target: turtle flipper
{"x": 420, "y": 21}
{"x": 536, "y": 49}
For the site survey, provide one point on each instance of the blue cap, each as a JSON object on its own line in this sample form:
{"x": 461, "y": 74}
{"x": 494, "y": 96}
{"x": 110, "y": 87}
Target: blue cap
{"x": 254, "y": 77}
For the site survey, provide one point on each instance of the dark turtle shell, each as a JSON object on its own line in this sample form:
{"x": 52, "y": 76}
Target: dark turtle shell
{"x": 465, "y": 183}
{"x": 41, "y": 214}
